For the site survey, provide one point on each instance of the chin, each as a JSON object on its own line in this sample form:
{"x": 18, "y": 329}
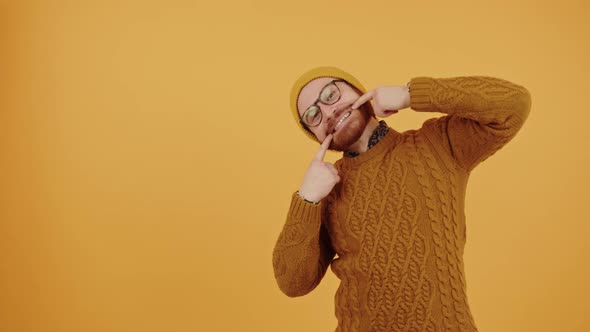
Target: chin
{"x": 352, "y": 132}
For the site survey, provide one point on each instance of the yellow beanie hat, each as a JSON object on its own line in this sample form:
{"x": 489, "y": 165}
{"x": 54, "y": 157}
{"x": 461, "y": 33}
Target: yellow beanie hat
{"x": 310, "y": 75}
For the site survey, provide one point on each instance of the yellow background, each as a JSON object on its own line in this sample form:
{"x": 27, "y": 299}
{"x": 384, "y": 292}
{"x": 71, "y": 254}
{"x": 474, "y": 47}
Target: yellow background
{"x": 148, "y": 156}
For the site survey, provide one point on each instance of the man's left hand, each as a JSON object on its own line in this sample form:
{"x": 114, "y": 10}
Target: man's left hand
{"x": 387, "y": 100}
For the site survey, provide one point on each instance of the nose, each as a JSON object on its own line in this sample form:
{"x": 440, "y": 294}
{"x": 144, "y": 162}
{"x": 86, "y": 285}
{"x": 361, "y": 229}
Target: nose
{"x": 328, "y": 111}
{"x": 328, "y": 114}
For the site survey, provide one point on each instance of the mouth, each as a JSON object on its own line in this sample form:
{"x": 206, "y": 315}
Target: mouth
{"x": 342, "y": 119}
{"x": 341, "y": 115}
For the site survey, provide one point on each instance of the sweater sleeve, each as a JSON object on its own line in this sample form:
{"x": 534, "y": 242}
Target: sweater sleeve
{"x": 303, "y": 250}
{"x": 483, "y": 114}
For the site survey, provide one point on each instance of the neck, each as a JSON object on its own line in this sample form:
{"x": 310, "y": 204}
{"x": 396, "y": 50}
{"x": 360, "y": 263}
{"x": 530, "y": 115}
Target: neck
{"x": 361, "y": 144}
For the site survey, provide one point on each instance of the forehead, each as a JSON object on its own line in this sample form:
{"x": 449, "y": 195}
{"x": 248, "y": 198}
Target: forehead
{"x": 310, "y": 92}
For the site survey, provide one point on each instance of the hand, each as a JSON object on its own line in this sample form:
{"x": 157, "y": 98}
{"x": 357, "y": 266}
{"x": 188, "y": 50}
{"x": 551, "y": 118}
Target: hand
{"x": 387, "y": 100}
{"x": 320, "y": 177}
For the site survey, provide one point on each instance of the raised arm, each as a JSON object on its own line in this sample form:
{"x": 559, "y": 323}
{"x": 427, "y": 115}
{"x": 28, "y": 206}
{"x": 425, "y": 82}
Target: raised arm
{"x": 303, "y": 250}
{"x": 483, "y": 114}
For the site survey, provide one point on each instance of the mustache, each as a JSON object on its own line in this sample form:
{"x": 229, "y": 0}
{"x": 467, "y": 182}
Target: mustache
{"x": 344, "y": 106}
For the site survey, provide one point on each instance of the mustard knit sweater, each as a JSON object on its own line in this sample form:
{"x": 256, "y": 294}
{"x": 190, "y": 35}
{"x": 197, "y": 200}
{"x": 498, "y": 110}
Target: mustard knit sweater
{"x": 393, "y": 229}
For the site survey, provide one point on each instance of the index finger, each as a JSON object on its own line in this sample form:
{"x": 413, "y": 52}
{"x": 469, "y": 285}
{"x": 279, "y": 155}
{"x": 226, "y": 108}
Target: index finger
{"x": 362, "y": 99}
{"x": 323, "y": 148}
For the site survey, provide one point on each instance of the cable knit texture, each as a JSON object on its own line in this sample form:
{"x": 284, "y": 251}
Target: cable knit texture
{"x": 393, "y": 229}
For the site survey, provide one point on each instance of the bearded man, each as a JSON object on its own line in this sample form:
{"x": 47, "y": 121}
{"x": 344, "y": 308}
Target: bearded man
{"x": 388, "y": 217}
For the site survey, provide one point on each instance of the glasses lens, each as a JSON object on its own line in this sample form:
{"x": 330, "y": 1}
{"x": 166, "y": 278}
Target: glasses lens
{"x": 312, "y": 116}
{"x": 330, "y": 94}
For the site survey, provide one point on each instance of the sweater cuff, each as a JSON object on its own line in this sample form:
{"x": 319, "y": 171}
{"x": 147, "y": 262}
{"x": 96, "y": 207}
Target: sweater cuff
{"x": 302, "y": 210}
{"x": 420, "y": 93}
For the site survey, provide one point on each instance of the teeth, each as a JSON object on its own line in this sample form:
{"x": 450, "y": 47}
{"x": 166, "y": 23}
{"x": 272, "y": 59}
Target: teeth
{"x": 341, "y": 120}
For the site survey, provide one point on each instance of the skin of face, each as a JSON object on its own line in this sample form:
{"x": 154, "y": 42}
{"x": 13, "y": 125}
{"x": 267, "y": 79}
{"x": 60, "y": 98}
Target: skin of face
{"x": 350, "y": 131}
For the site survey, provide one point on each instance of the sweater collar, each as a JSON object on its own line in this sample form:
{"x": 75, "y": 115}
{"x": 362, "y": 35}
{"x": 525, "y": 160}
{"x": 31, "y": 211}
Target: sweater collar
{"x": 377, "y": 135}
{"x": 380, "y": 146}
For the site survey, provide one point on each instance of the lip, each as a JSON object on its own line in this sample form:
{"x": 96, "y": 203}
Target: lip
{"x": 343, "y": 122}
{"x": 338, "y": 115}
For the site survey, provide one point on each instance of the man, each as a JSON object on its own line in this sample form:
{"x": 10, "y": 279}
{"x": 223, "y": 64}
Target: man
{"x": 392, "y": 208}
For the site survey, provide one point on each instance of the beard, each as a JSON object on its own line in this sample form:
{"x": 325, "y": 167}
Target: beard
{"x": 352, "y": 128}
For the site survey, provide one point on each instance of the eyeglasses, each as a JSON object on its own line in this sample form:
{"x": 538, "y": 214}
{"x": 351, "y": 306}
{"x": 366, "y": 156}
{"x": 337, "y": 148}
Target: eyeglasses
{"x": 329, "y": 95}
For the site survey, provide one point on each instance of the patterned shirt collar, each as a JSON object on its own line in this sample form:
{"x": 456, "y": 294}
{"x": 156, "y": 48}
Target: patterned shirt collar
{"x": 378, "y": 134}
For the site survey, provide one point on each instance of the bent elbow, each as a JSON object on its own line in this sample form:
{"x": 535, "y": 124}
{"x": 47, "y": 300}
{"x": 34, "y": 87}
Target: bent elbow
{"x": 295, "y": 281}
{"x": 523, "y": 104}
{"x": 292, "y": 288}
{"x": 520, "y": 108}
{"x": 291, "y": 291}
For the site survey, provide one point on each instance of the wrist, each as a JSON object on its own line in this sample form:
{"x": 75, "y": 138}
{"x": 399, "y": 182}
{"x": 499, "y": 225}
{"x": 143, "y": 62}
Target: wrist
{"x": 307, "y": 200}
{"x": 408, "y": 94}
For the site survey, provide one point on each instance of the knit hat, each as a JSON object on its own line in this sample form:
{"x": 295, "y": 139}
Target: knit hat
{"x": 310, "y": 75}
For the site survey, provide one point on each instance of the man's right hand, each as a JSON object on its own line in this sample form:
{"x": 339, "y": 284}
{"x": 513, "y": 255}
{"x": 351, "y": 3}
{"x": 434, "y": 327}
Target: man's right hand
{"x": 320, "y": 177}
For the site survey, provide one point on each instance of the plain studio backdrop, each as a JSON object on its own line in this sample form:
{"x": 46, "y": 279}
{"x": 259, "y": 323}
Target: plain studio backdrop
{"x": 148, "y": 156}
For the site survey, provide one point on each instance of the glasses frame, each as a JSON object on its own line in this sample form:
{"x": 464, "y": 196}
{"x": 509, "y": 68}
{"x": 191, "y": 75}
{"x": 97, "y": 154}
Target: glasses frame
{"x": 319, "y": 101}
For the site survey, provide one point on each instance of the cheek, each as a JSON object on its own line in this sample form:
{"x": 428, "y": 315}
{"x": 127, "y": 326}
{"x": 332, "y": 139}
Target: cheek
{"x": 319, "y": 133}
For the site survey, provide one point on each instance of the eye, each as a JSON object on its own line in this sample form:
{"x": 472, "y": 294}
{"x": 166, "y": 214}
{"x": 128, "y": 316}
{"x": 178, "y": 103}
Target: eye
{"x": 329, "y": 94}
{"x": 311, "y": 114}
